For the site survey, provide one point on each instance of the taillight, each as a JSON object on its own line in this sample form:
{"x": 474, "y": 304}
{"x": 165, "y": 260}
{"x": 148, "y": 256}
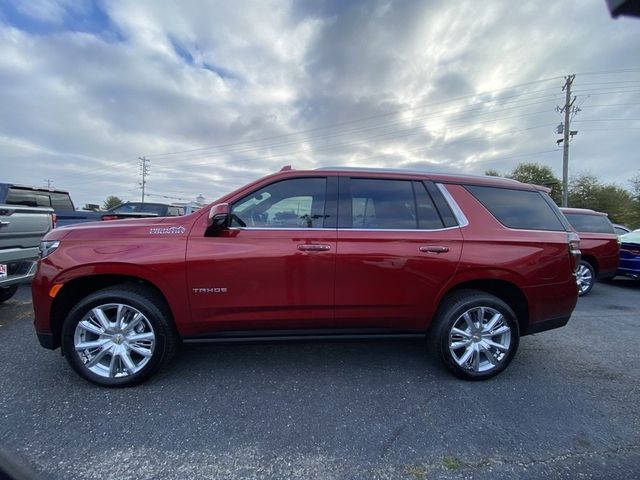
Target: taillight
{"x": 574, "y": 250}
{"x": 54, "y": 220}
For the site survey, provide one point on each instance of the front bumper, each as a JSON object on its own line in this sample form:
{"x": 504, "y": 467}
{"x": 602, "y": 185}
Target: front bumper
{"x": 22, "y": 264}
{"x": 47, "y": 340}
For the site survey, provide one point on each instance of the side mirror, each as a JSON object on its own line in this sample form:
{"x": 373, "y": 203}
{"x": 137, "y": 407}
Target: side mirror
{"x": 219, "y": 218}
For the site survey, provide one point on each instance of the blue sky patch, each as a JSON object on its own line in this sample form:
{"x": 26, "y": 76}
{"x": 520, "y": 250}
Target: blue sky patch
{"x": 47, "y": 18}
{"x": 189, "y": 59}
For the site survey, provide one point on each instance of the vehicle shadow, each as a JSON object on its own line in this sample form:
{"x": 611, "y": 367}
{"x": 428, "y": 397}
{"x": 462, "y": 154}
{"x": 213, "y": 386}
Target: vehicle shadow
{"x": 624, "y": 282}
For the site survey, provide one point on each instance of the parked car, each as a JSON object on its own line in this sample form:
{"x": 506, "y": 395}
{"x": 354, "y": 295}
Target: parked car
{"x": 146, "y": 209}
{"x": 61, "y": 203}
{"x": 58, "y": 200}
{"x": 599, "y": 245}
{"x": 472, "y": 263}
{"x": 620, "y": 229}
{"x": 21, "y": 229}
{"x": 630, "y": 255}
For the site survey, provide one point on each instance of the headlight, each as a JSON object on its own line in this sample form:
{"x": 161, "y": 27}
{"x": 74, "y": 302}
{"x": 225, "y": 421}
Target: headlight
{"x": 47, "y": 247}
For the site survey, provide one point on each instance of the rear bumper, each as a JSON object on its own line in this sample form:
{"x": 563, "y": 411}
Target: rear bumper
{"x": 547, "y": 325}
{"x": 551, "y": 306}
{"x": 607, "y": 266}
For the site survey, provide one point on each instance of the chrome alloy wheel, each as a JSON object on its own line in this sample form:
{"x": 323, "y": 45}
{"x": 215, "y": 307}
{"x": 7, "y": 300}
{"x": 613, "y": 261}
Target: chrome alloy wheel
{"x": 584, "y": 277}
{"x": 480, "y": 339}
{"x": 114, "y": 340}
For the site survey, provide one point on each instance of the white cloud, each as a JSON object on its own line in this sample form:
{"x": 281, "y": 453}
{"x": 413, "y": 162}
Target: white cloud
{"x": 326, "y": 83}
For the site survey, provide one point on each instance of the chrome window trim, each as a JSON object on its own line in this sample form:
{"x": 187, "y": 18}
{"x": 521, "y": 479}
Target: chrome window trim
{"x": 282, "y": 228}
{"x": 398, "y": 229}
{"x": 455, "y": 208}
{"x": 350, "y": 229}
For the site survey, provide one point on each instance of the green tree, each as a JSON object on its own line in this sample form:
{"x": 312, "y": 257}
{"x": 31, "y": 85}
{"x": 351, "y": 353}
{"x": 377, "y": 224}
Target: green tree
{"x": 110, "y": 202}
{"x": 586, "y": 191}
{"x": 538, "y": 175}
{"x": 492, "y": 173}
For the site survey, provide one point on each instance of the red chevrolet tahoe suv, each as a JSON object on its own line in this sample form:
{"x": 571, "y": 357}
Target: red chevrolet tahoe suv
{"x": 472, "y": 263}
{"x": 599, "y": 245}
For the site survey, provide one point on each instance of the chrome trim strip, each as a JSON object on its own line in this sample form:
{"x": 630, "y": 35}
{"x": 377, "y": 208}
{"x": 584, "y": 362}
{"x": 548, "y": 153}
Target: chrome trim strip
{"x": 397, "y": 229}
{"x": 351, "y": 229}
{"x": 281, "y": 229}
{"x": 457, "y": 211}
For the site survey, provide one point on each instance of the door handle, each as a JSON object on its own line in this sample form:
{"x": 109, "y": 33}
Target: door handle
{"x": 4, "y": 224}
{"x": 314, "y": 247}
{"x": 434, "y": 249}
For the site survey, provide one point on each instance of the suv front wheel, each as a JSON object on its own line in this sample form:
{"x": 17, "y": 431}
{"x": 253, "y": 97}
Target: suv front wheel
{"x": 474, "y": 334}
{"x": 119, "y": 336}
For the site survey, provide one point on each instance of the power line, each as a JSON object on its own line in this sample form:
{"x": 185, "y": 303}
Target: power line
{"x": 609, "y": 72}
{"x": 463, "y": 119}
{"x": 430, "y": 147}
{"x": 361, "y": 119}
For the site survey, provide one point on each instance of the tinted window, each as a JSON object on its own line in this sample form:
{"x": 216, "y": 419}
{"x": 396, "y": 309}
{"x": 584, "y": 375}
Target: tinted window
{"x": 590, "y": 223}
{"x": 150, "y": 208}
{"x": 444, "y": 209}
{"x": 124, "y": 208}
{"x": 383, "y": 204}
{"x": 428, "y": 216}
{"x": 29, "y": 198}
{"x": 61, "y": 201}
{"x": 517, "y": 208}
{"x": 294, "y": 203}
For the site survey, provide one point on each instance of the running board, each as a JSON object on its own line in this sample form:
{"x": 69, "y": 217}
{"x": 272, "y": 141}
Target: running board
{"x": 301, "y": 335}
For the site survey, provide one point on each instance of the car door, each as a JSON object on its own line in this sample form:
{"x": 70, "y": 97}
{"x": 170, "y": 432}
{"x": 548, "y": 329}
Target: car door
{"x": 396, "y": 249}
{"x": 274, "y": 267}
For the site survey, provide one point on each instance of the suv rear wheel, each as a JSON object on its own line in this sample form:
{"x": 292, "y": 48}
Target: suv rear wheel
{"x": 586, "y": 277}
{"x": 119, "y": 336}
{"x": 474, "y": 334}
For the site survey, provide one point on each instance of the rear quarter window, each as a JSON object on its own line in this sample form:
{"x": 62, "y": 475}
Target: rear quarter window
{"x": 521, "y": 209}
{"x": 590, "y": 223}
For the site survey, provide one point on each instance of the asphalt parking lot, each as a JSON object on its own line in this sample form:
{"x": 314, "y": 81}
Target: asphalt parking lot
{"x": 567, "y": 407}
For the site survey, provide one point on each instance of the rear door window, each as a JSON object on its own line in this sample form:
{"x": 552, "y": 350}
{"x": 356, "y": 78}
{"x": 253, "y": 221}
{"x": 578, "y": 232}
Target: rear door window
{"x": 522, "y": 209}
{"x": 590, "y": 223}
{"x": 428, "y": 216}
{"x": 383, "y": 204}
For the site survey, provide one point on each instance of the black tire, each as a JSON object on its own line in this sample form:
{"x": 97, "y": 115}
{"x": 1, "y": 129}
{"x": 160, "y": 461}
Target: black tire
{"x": 586, "y": 277}
{"x": 451, "y": 313}
{"x": 156, "y": 321}
{"x": 7, "y": 292}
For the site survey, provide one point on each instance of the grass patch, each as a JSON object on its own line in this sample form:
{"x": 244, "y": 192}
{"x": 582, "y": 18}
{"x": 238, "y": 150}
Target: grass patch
{"x": 452, "y": 463}
{"x": 417, "y": 472}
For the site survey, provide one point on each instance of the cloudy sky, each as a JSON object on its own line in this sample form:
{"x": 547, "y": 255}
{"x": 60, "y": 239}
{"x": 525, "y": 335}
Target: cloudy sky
{"x": 216, "y": 94}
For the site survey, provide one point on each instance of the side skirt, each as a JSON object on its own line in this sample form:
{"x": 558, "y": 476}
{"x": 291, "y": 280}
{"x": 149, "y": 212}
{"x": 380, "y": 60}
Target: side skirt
{"x": 301, "y": 335}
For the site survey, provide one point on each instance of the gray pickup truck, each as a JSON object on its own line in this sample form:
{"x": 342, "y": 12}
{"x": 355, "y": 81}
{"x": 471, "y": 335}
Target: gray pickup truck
{"x": 21, "y": 229}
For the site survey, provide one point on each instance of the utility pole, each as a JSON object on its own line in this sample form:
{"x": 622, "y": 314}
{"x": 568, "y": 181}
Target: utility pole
{"x": 567, "y": 110}
{"x": 49, "y": 182}
{"x": 144, "y": 171}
